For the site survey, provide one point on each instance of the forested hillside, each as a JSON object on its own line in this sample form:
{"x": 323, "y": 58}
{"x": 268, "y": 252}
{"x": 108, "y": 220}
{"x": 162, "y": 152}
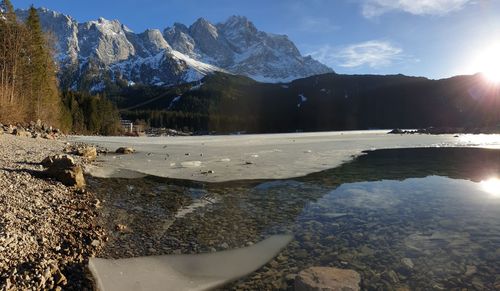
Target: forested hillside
{"x": 228, "y": 103}
{"x": 29, "y": 88}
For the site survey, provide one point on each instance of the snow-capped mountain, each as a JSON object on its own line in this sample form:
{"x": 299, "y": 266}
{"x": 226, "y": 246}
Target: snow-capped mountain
{"x": 95, "y": 51}
{"x": 237, "y": 46}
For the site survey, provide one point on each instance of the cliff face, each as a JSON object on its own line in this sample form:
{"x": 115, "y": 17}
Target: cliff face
{"x": 99, "y": 50}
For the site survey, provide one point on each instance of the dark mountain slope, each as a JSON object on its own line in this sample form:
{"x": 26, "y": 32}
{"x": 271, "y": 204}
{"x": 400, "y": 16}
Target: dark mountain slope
{"x": 225, "y": 102}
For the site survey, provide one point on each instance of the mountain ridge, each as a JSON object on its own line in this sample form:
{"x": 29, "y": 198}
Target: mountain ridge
{"x": 108, "y": 50}
{"x": 226, "y": 103}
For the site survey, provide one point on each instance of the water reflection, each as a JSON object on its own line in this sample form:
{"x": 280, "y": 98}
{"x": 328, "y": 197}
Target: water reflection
{"x": 408, "y": 218}
{"x": 481, "y": 140}
{"x": 419, "y": 233}
{"x": 491, "y": 186}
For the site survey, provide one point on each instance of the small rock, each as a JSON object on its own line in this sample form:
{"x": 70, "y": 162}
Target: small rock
{"x": 397, "y": 131}
{"x": 392, "y": 277}
{"x": 59, "y": 277}
{"x": 89, "y": 153}
{"x": 10, "y": 129}
{"x": 125, "y": 150}
{"x": 327, "y": 279}
{"x": 121, "y": 227}
{"x": 290, "y": 277}
{"x": 19, "y": 131}
{"x": 470, "y": 270}
{"x": 407, "y": 262}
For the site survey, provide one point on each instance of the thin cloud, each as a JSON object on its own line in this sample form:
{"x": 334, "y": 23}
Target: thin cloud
{"x": 374, "y": 8}
{"x": 316, "y": 24}
{"x": 373, "y": 54}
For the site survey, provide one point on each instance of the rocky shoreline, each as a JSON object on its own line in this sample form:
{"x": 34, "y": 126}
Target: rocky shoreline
{"x": 47, "y": 230}
{"x": 448, "y": 130}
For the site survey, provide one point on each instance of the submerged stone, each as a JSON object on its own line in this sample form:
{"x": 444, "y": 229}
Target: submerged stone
{"x": 125, "y": 150}
{"x": 327, "y": 279}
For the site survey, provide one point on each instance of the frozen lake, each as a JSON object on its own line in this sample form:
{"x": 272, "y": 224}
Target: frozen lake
{"x": 248, "y": 157}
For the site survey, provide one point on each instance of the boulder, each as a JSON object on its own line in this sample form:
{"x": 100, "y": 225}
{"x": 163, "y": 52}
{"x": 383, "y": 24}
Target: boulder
{"x": 125, "y": 150}
{"x": 64, "y": 169}
{"x": 19, "y": 131}
{"x": 61, "y": 161}
{"x": 10, "y": 129}
{"x": 397, "y": 131}
{"x": 88, "y": 152}
{"x": 327, "y": 279}
{"x": 48, "y": 136}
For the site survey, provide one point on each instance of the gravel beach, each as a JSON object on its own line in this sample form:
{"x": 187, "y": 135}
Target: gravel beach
{"x": 47, "y": 230}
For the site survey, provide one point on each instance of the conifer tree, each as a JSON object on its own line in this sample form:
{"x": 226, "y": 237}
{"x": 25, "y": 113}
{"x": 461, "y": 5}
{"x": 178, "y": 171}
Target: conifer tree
{"x": 36, "y": 59}
{"x": 43, "y": 82}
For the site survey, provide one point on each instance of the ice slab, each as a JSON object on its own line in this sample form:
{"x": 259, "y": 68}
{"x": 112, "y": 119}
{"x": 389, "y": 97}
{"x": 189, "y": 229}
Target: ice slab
{"x": 259, "y": 156}
{"x": 184, "y": 272}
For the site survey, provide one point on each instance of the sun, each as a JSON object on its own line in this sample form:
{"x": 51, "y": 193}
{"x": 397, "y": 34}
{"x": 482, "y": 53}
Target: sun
{"x": 488, "y": 63}
{"x": 491, "y": 186}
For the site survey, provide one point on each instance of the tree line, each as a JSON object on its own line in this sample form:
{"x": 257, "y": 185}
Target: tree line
{"x": 192, "y": 121}
{"x": 29, "y": 86}
{"x": 90, "y": 114}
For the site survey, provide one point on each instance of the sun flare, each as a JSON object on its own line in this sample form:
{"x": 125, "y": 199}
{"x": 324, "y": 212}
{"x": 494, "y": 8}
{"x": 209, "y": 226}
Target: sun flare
{"x": 491, "y": 186}
{"x": 488, "y": 63}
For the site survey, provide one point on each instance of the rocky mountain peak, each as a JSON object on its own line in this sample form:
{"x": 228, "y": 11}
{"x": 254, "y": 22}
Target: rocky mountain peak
{"x": 179, "y": 54}
{"x": 177, "y": 28}
{"x": 153, "y": 38}
{"x": 238, "y": 22}
{"x": 178, "y": 37}
{"x": 202, "y": 27}
{"x": 105, "y": 41}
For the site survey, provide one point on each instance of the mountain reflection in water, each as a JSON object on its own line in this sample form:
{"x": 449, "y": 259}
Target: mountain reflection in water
{"x": 423, "y": 218}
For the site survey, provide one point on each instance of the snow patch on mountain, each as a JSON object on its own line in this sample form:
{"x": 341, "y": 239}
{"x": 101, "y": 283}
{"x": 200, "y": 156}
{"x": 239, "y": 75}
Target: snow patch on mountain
{"x": 302, "y": 100}
{"x": 100, "y": 48}
{"x": 172, "y": 103}
{"x": 200, "y": 67}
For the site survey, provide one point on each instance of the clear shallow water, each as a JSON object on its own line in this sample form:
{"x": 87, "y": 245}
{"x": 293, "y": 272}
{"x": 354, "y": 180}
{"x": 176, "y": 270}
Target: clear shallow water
{"x": 412, "y": 218}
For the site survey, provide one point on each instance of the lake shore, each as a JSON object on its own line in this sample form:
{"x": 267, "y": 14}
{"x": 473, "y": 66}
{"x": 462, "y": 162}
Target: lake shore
{"x": 47, "y": 230}
{"x": 253, "y": 157}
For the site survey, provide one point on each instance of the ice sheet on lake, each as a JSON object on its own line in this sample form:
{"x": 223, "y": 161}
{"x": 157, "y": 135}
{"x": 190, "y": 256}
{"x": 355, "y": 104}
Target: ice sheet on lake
{"x": 184, "y": 272}
{"x": 199, "y": 203}
{"x": 280, "y": 156}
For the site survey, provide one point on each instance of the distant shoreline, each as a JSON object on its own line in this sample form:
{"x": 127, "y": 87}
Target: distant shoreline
{"x": 448, "y": 130}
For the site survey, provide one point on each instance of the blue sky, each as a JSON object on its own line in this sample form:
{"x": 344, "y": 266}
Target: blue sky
{"x": 431, "y": 38}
